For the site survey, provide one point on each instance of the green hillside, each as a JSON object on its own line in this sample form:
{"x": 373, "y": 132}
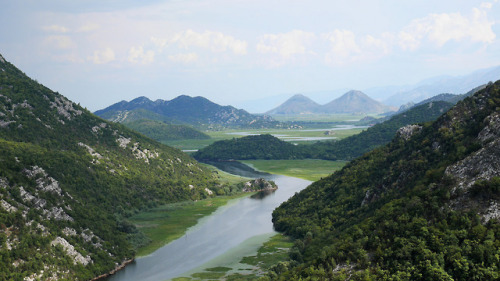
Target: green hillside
{"x": 377, "y": 135}
{"x": 161, "y": 131}
{"x": 68, "y": 180}
{"x": 246, "y": 148}
{"x": 198, "y": 112}
{"x": 424, "y": 207}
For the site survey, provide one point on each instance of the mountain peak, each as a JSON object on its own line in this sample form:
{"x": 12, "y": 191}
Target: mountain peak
{"x": 297, "y": 104}
{"x": 184, "y": 109}
{"x": 355, "y": 101}
{"x": 140, "y": 100}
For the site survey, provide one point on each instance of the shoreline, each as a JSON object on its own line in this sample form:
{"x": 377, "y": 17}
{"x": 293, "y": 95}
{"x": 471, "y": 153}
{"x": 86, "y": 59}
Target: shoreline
{"x": 115, "y": 270}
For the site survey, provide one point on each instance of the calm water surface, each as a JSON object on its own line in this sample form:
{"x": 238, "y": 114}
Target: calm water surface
{"x": 216, "y": 234}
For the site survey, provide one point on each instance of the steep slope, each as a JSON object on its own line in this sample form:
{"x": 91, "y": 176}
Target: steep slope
{"x": 354, "y": 102}
{"x": 161, "y": 131}
{"x": 377, "y": 135}
{"x": 67, "y": 180}
{"x": 154, "y": 125}
{"x": 298, "y": 104}
{"x": 196, "y": 111}
{"x": 424, "y": 207}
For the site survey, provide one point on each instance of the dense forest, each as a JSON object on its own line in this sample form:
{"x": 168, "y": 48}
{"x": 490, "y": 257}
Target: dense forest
{"x": 423, "y": 207}
{"x": 69, "y": 180}
{"x": 249, "y": 147}
{"x": 161, "y": 131}
{"x": 269, "y": 147}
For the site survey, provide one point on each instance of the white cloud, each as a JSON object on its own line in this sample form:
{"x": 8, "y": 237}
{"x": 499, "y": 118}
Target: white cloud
{"x": 59, "y": 42}
{"x": 442, "y": 28}
{"x": 184, "y": 58}
{"x": 55, "y": 28}
{"x": 137, "y": 55}
{"x": 286, "y": 45}
{"x": 89, "y": 27}
{"x": 380, "y": 46}
{"x": 486, "y": 5}
{"x": 343, "y": 46}
{"x": 214, "y": 41}
{"x": 103, "y": 56}
{"x": 159, "y": 42}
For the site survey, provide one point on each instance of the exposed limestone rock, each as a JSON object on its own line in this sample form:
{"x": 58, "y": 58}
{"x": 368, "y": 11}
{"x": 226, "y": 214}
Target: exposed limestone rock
{"x": 49, "y": 184}
{"x": 69, "y": 231}
{"x": 5, "y": 124}
{"x": 123, "y": 142}
{"x": 482, "y": 165}
{"x": 91, "y": 151}
{"x": 35, "y": 170}
{"x": 492, "y": 130}
{"x": 145, "y": 154}
{"x": 210, "y": 192}
{"x": 65, "y": 107}
{"x": 493, "y": 212}
{"x": 259, "y": 184}
{"x": 8, "y": 207}
{"x": 58, "y": 214}
{"x": 88, "y": 236}
{"x": 70, "y": 251}
{"x": 4, "y": 183}
{"x": 44, "y": 230}
{"x": 407, "y": 131}
{"x": 120, "y": 116}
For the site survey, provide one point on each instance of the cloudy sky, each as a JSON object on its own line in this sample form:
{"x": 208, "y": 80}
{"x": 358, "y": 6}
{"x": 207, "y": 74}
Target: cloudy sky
{"x": 98, "y": 52}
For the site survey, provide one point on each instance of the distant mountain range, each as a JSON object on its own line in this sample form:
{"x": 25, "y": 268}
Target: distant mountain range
{"x": 441, "y": 84}
{"x": 350, "y": 102}
{"x": 195, "y": 111}
{"x": 392, "y": 95}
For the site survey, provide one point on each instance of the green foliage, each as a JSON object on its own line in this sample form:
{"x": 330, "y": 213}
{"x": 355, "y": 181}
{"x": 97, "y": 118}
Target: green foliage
{"x": 91, "y": 175}
{"x": 250, "y": 147}
{"x": 391, "y": 214}
{"x": 195, "y": 111}
{"x": 161, "y": 131}
{"x": 378, "y": 135}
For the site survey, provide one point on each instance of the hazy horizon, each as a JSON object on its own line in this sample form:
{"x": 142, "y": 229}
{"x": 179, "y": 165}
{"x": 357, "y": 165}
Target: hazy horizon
{"x": 98, "y": 53}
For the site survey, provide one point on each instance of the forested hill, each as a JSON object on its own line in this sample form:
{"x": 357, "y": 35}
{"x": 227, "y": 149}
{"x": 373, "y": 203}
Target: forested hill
{"x": 67, "y": 180}
{"x": 162, "y": 131}
{"x": 424, "y": 207}
{"x": 249, "y": 147}
{"x": 377, "y": 135}
{"x": 196, "y": 111}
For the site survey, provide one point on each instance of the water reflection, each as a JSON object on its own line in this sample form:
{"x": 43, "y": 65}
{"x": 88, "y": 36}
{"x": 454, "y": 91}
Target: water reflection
{"x": 264, "y": 193}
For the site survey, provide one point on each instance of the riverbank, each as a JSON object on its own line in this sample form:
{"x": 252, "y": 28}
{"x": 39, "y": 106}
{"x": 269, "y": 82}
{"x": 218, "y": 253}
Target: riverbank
{"x": 239, "y": 229}
{"x": 308, "y": 169}
{"x": 165, "y": 223}
{"x": 169, "y": 222}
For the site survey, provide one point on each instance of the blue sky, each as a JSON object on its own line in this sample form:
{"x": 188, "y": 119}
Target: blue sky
{"x": 230, "y": 51}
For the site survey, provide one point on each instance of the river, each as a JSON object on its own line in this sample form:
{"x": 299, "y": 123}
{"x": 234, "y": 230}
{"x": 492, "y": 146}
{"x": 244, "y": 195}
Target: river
{"x": 227, "y": 230}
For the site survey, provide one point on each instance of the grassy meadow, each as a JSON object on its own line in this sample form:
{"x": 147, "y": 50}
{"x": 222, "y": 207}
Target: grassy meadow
{"x": 308, "y": 169}
{"x": 293, "y": 136}
{"x": 168, "y": 222}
